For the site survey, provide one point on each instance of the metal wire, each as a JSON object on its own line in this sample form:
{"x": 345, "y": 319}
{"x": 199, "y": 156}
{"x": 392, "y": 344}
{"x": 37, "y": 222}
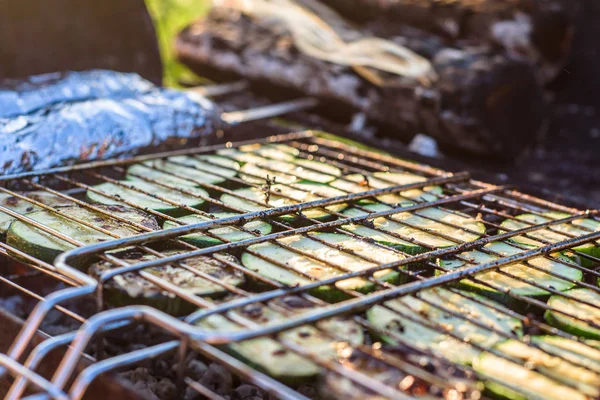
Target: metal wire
{"x": 480, "y": 201}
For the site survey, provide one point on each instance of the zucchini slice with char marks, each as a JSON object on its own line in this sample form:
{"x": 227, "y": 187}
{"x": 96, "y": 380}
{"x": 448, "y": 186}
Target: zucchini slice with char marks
{"x": 357, "y": 183}
{"x": 577, "y": 227}
{"x": 145, "y": 201}
{"x": 297, "y": 263}
{"x": 278, "y": 161}
{"x": 431, "y": 239}
{"x": 47, "y": 247}
{"x": 300, "y": 193}
{"x": 228, "y": 233}
{"x": 23, "y": 206}
{"x": 130, "y": 288}
{"x": 421, "y": 336}
{"x": 575, "y": 308}
{"x": 563, "y": 369}
{"x": 295, "y": 171}
{"x": 270, "y": 356}
{"x": 195, "y": 170}
{"x": 334, "y": 386}
{"x": 253, "y": 152}
{"x": 277, "y": 151}
{"x": 521, "y": 270}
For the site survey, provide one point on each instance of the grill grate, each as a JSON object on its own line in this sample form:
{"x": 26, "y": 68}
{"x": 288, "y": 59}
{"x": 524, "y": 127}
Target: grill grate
{"x": 406, "y": 368}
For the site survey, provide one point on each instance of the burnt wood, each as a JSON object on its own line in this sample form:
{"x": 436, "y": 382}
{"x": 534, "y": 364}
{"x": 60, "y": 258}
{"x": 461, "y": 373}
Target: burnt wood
{"x": 538, "y": 30}
{"x": 483, "y": 103}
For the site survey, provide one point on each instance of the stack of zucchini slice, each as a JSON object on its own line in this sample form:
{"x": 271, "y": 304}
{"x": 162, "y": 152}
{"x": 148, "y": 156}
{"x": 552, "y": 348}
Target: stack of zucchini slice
{"x": 516, "y": 279}
{"x": 558, "y": 232}
{"x": 130, "y": 288}
{"x": 218, "y": 235}
{"x": 45, "y": 246}
{"x": 321, "y": 256}
{"x": 557, "y": 369}
{"x": 23, "y": 206}
{"x": 435, "y": 321}
{"x": 457, "y": 324}
{"x": 269, "y": 355}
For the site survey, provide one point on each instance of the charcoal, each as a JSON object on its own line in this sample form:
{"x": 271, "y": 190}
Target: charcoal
{"x": 103, "y": 117}
{"x": 538, "y": 30}
{"x": 196, "y": 369}
{"x": 482, "y": 103}
{"x": 248, "y": 392}
{"x": 218, "y": 379}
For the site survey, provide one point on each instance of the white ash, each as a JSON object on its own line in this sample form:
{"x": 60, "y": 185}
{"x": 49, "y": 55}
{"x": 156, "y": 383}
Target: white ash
{"x": 424, "y": 145}
{"x": 515, "y": 34}
{"x": 359, "y": 126}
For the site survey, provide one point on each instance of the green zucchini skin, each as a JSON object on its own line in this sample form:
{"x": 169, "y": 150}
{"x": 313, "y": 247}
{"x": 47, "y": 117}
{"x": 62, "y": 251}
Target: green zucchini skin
{"x": 46, "y": 247}
{"x": 131, "y": 289}
{"x": 148, "y": 202}
{"x": 254, "y": 153}
{"x": 289, "y": 172}
{"x": 317, "y": 270}
{"x": 279, "y": 162}
{"x": 386, "y": 224}
{"x": 195, "y": 170}
{"x": 357, "y": 183}
{"x": 23, "y": 207}
{"x": 570, "y": 325}
{"x": 517, "y": 269}
{"x": 555, "y": 361}
{"x": 574, "y": 227}
{"x": 230, "y": 233}
{"x": 333, "y": 386}
{"x": 270, "y": 357}
{"x": 301, "y": 192}
{"x": 383, "y": 319}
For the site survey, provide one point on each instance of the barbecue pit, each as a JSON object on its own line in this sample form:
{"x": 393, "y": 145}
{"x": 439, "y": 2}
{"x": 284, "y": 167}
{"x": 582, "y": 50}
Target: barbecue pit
{"x": 410, "y": 369}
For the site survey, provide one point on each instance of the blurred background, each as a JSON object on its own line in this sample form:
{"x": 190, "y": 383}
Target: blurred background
{"x": 567, "y": 159}
{"x": 564, "y": 159}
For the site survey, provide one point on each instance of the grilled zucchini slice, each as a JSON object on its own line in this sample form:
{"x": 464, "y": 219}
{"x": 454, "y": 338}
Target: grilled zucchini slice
{"x": 145, "y": 201}
{"x": 385, "y": 319}
{"x": 300, "y": 193}
{"x": 571, "y": 325}
{"x": 227, "y": 233}
{"x": 578, "y": 228}
{"x": 334, "y": 386}
{"x": 315, "y": 270}
{"x": 195, "y": 169}
{"x": 520, "y": 270}
{"x": 47, "y": 247}
{"x": 387, "y": 224}
{"x": 277, "y": 161}
{"x": 289, "y": 172}
{"x": 270, "y": 356}
{"x": 130, "y": 288}
{"x": 357, "y": 183}
{"x": 542, "y": 374}
{"x": 257, "y": 152}
{"x": 277, "y": 151}
{"x": 22, "y": 206}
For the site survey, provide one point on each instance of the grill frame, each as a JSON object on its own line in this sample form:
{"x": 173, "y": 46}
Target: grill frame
{"x": 191, "y": 336}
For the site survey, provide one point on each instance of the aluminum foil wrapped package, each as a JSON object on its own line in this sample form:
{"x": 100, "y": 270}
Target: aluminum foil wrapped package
{"x": 54, "y": 120}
